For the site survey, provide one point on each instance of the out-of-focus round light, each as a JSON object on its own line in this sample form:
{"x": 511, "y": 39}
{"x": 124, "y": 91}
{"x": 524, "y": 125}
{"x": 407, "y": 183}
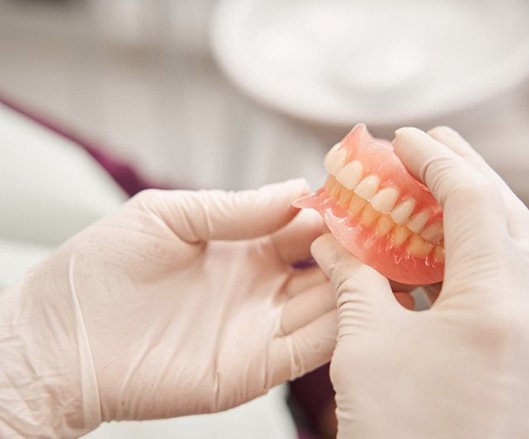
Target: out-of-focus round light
{"x": 378, "y": 61}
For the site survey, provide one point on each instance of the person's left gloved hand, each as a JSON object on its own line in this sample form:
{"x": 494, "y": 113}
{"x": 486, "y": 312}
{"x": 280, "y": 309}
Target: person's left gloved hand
{"x": 180, "y": 303}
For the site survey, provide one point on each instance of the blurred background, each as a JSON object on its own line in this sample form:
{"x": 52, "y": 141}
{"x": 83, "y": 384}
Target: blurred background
{"x": 99, "y": 99}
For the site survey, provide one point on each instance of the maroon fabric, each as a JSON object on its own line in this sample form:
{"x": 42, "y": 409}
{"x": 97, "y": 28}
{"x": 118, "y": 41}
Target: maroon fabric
{"x": 313, "y": 392}
{"x": 124, "y": 174}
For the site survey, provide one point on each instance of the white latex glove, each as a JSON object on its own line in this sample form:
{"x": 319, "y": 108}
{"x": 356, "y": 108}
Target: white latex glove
{"x": 180, "y": 303}
{"x": 460, "y": 369}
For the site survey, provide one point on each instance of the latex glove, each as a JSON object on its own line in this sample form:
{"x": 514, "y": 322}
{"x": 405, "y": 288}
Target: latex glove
{"x": 180, "y": 303}
{"x": 460, "y": 369}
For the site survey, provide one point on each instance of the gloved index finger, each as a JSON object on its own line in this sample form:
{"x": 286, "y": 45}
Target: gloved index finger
{"x": 473, "y": 208}
{"x": 199, "y": 216}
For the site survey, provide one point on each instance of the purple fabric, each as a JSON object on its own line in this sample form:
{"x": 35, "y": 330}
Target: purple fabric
{"x": 124, "y": 174}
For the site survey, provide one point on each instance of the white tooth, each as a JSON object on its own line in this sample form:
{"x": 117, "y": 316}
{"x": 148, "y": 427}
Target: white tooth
{"x": 417, "y": 221}
{"x": 385, "y": 199}
{"x": 402, "y": 212}
{"x": 350, "y": 174}
{"x": 368, "y": 187}
{"x": 433, "y": 232}
{"x": 335, "y": 159}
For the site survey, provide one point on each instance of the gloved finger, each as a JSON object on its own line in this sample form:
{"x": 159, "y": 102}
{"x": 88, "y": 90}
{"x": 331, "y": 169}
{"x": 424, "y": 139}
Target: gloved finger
{"x": 308, "y": 306}
{"x": 517, "y": 212}
{"x": 301, "y": 280}
{"x": 198, "y": 216}
{"x": 405, "y": 299}
{"x": 302, "y": 351}
{"x": 362, "y": 291}
{"x": 466, "y": 195}
{"x": 292, "y": 242}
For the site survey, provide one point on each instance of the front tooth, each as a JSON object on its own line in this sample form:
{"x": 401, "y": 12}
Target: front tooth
{"x": 433, "y": 232}
{"x": 350, "y": 174}
{"x": 385, "y": 199}
{"x": 402, "y": 212}
{"x": 418, "y": 221}
{"x": 335, "y": 159}
{"x": 368, "y": 187}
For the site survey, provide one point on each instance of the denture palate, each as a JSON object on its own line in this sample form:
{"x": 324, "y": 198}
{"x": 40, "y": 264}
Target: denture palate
{"x": 381, "y": 208}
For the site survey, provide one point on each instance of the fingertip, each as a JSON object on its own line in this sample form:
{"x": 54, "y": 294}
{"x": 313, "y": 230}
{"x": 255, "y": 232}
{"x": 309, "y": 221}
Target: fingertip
{"x": 444, "y": 131}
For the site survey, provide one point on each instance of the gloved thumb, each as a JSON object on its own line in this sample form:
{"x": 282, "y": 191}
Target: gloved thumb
{"x": 364, "y": 296}
{"x": 197, "y": 216}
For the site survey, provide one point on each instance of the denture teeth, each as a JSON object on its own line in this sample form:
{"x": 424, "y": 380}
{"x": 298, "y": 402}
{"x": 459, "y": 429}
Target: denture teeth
{"x": 368, "y": 187}
{"x": 438, "y": 254}
{"x": 335, "y": 159}
{"x": 369, "y": 215}
{"x": 384, "y": 225}
{"x": 418, "y": 221}
{"x": 401, "y": 213}
{"x": 329, "y": 183}
{"x": 350, "y": 175}
{"x": 433, "y": 232}
{"x": 345, "y": 197}
{"x": 356, "y": 205}
{"x": 335, "y": 190}
{"x": 400, "y": 234}
{"x": 385, "y": 199}
{"x": 419, "y": 247}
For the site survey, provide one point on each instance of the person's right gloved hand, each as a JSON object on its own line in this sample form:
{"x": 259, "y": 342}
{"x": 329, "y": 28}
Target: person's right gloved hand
{"x": 460, "y": 369}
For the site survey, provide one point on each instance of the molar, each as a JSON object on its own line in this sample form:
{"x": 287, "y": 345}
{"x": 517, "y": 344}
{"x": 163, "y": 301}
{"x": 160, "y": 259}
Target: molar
{"x": 385, "y": 199}
{"x": 350, "y": 174}
{"x": 335, "y": 159}
{"x": 402, "y": 212}
{"x": 418, "y": 221}
{"x": 368, "y": 187}
{"x": 433, "y": 232}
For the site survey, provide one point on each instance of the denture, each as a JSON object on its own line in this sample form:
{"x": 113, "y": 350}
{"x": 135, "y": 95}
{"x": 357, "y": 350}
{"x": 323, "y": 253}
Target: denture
{"x": 379, "y": 212}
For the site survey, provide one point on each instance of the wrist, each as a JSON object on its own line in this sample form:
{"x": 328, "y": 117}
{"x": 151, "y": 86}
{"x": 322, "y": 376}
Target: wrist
{"x": 47, "y": 384}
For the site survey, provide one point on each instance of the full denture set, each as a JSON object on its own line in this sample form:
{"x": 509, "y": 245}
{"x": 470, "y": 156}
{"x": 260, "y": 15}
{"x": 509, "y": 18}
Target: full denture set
{"x": 379, "y": 212}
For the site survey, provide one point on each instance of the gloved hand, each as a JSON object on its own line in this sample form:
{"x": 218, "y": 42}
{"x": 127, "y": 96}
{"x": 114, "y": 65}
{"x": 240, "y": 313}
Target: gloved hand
{"x": 180, "y": 303}
{"x": 460, "y": 369}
